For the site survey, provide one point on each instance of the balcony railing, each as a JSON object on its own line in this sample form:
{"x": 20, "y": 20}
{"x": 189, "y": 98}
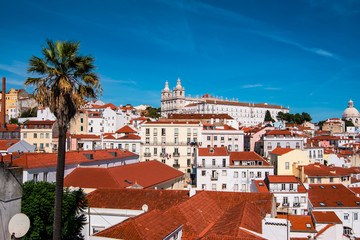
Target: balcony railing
{"x": 296, "y": 204}
{"x": 176, "y": 154}
{"x": 176, "y": 165}
{"x": 214, "y": 177}
{"x": 285, "y": 204}
{"x": 163, "y": 154}
{"x": 147, "y": 154}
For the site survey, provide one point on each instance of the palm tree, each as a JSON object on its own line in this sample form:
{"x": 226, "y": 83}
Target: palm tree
{"x": 64, "y": 82}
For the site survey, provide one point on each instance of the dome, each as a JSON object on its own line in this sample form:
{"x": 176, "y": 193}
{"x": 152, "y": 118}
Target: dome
{"x": 351, "y": 112}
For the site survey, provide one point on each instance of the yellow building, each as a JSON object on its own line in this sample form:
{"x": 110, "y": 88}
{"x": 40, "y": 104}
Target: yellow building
{"x": 40, "y": 134}
{"x": 79, "y": 123}
{"x": 286, "y": 160}
{"x": 12, "y": 98}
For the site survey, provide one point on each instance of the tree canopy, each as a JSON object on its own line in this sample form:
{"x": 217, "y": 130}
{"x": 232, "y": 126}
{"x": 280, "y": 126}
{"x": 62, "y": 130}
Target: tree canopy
{"x": 268, "y": 117}
{"x": 153, "y": 112}
{"x": 294, "y": 118}
{"x": 38, "y": 204}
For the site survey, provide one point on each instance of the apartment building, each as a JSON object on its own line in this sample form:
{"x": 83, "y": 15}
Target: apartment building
{"x": 282, "y": 139}
{"x": 171, "y": 142}
{"x": 286, "y": 160}
{"x": 40, "y": 134}
{"x": 220, "y": 170}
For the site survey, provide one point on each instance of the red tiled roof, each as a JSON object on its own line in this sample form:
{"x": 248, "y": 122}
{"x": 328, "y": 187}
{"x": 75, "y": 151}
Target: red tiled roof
{"x": 281, "y": 151}
{"x": 325, "y": 217}
{"x": 146, "y": 174}
{"x": 152, "y": 225}
{"x": 246, "y": 156}
{"x": 126, "y": 129}
{"x": 218, "y": 151}
{"x": 130, "y": 136}
{"x": 325, "y": 138}
{"x": 346, "y": 152}
{"x": 330, "y": 194}
{"x": 41, "y": 160}
{"x": 39, "y": 122}
{"x": 323, "y": 170}
{"x": 174, "y": 122}
{"x": 5, "y": 144}
{"x": 261, "y": 186}
{"x": 136, "y": 198}
{"x": 355, "y": 189}
{"x": 280, "y": 132}
{"x": 198, "y": 116}
{"x": 282, "y": 179}
{"x": 10, "y": 128}
{"x": 91, "y": 136}
{"x": 112, "y": 106}
{"x": 298, "y": 222}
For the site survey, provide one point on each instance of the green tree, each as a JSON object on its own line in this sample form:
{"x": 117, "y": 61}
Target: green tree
{"x": 31, "y": 112}
{"x": 65, "y": 81}
{"x": 14, "y": 121}
{"x": 348, "y": 123}
{"x": 306, "y": 117}
{"x": 268, "y": 117}
{"x": 38, "y": 204}
{"x": 153, "y": 112}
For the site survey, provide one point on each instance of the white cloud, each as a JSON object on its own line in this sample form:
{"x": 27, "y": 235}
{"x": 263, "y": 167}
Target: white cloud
{"x": 272, "y": 88}
{"x": 18, "y": 68}
{"x": 252, "y": 86}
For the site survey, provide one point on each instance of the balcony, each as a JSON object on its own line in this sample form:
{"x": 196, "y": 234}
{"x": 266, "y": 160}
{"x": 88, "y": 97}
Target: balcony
{"x": 162, "y": 154}
{"x": 176, "y": 165}
{"x": 176, "y": 154}
{"x": 296, "y": 204}
{"x": 147, "y": 154}
{"x": 214, "y": 177}
{"x": 285, "y": 204}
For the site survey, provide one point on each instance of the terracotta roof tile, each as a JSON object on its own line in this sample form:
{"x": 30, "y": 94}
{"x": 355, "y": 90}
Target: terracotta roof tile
{"x": 332, "y": 195}
{"x": 136, "y": 198}
{"x": 323, "y": 170}
{"x": 147, "y": 174}
{"x": 325, "y": 217}
{"x": 246, "y": 156}
{"x": 281, "y": 151}
{"x": 130, "y": 136}
{"x": 5, "y": 144}
{"x": 198, "y": 116}
{"x": 173, "y": 122}
{"x": 299, "y": 223}
{"x": 126, "y": 129}
{"x": 218, "y": 151}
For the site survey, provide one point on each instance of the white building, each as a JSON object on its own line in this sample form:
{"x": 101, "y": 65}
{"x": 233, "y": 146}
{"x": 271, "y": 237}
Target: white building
{"x": 338, "y": 199}
{"x": 282, "y": 139}
{"x": 223, "y": 136}
{"x": 220, "y": 170}
{"x": 289, "y": 192}
{"x": 247, "y": 113}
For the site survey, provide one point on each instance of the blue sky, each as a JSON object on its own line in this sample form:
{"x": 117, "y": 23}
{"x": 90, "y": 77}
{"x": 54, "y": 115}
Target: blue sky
{"x": 300, "y": 53}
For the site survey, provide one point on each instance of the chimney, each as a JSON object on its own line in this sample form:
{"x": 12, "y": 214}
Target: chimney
{"x": 3, "y": 108}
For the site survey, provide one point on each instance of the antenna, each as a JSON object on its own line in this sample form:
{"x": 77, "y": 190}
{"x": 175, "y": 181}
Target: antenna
{"x": 19, "y": 225}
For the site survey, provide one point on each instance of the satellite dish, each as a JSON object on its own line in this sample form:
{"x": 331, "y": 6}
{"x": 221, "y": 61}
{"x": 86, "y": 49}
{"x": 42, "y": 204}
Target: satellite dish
{"x": 145, "y": 208}
{"x": 19, "y": 225}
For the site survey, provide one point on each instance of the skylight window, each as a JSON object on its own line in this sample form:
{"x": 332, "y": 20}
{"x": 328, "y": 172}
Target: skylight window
{"x": 322, "y": 204}
{"x": 261, "y": 184}
{"x": 322, "y": 187}
{"x": 310, "y": 187}
{"x": 358, "y": 203}
{"x": 339, "y": 203}
{"x": 334, "y": 187}
{"x": 308, "y": 225}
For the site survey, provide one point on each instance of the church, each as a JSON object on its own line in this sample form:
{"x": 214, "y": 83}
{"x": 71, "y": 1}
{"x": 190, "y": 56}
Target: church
{"x": 248, "y": 114}
{"x": 352, "y": 114}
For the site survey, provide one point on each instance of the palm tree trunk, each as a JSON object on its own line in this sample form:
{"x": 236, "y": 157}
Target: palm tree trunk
{"x": 59, "y": 189}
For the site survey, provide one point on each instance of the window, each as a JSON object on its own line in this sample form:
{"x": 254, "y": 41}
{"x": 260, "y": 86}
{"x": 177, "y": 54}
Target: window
{"x": 224, "y": 172}
{"x": 41, "y": 135}
{"x": 81, "y": 120}
{"x": 236, "y": 187}
{"x": 155, "y": 141}
{"x": 318, "y": 180}
{"x": 176, "y": 140}
{"x": 147, "y": 131}
{"x": 35, "y": 177}
{"x": 208, "y": 138}
{"x": 236, "y": 148}
{"x": 303, "y": 200}
{"x": 163, "y": 132}
{"x": 213, "y": 162}
{"x": 188, "y": 151}
{"x": 236, "y": 174}
{"x": 25, "y": 135}
{"x": 213, "y": 187}
{"x": 47, "y": 145}
{"x": 97, "y": 229}
{"x": 224, "y": 186}
{"x": 163, "y": 161}
{"x": 251, "y": 174}
{"x": 189, "y": 131}
{"x": 291, "y": 186}
{"x": 203, "y": 173}
{"x": 243, "y": 174}
{"x": 163, "y": 140}
{"x": 312, "y": 180}
{"x": 194, "y": 139}
{"x": 259, "y": 175}
{"x": 45, "y": 176}
{"x": 308, "y": 225}
{"x": 282, "y": 186}
{"x": 243, "y": 187}
{"x": 188, "y": 140}
{"x": 147, "y": 140}
{"x": 287, "y": 165}
{"x": 35, "y": 135}
{"x": 331, "y": 179}
{"x": 176, "y": 131}
{"x": 297, "y": 145}
{"x": 346, "y": 216}
{"x": 41, "y": 146}
{"x": 215, "y": 138}
{"x": 355, "y": 216}
{"x": 285, "y": 200}
{"x": 278, "y": 145}
{"x": 287, "y": 145}
{"x": 155, "y": 131}
{"x": 269, "y": 147}
{"x": 155, "y": 150}
{"x": 133, "y": 146}
{"x": 222, "y": 139}
{"x": 229, "y": 148}
{"x": 224, "y": 162}
{"x": 195, "y": 132}
{"x": 203, "y": 186}
{"x": 188, "y": 162}
{"x": 203, "y": 162}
